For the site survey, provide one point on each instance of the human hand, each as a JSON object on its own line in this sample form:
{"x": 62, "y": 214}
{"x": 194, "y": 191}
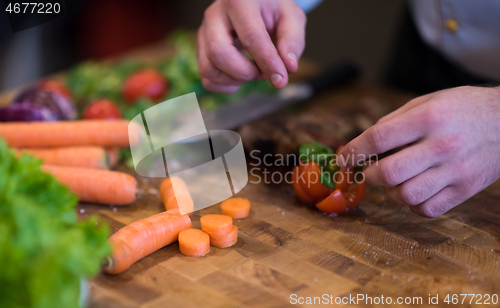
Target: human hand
{"x": 230, "y": 27}
{"x": 453, "y": 151}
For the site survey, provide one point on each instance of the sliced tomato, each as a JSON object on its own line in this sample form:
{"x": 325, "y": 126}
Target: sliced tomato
{"x": 334, "y": 203}
{"x": 355, "y": 194}
{"x": 55, "y": 86}
{"x": 344, "y": 178}
{"x": 298, "y": 188}
{"x": 312, "y": 184}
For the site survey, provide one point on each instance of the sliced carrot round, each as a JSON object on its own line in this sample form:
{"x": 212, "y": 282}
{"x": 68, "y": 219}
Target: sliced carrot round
{"x": 194, "y": 243}
{"x": 216, "y": 224}
{"x": 236, "y": 207}
{"x": 225, "y": 240}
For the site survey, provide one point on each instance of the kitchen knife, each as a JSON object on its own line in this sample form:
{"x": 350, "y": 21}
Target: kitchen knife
{"x": 258, "y": 105}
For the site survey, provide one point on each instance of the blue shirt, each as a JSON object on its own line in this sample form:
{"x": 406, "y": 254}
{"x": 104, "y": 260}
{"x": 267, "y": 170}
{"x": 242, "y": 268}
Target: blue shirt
{"x": 466, "y": 32}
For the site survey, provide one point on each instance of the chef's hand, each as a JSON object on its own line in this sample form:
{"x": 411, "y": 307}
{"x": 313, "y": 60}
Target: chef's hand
{"x": 453, "y": 152}
{"x": 232, "y": 26}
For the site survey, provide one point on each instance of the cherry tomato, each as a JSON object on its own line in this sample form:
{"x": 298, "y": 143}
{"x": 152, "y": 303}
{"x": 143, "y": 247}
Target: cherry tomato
{"x": 309, "y": 189}
{"x": 334, "y": 203}
{"x": 355, "y": 194}
{"x": 339, "y": 149}
{"x": 55, "y": 86}
{"x": 298, "y": 188}
{"x": 148, "y": 84}
{"x": 312, "y": 184}
{"x": 344, "y": 178}
{"x": 102, "y": 109}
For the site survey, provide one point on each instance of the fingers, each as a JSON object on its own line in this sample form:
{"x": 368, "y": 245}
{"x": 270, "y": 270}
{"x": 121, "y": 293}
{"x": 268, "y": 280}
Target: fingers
{"x": 420, "y": 188}
{"x": 247, "y": 21}
{"x": 382, "y": 137}
{"x": 411, "y": 104}
{"x": 220, "y": 88}
{"x": 220, "y": 61}
{"x": 212, "y": 78}
{"x": 290, "y": 35}
{"x": 443, "y": 201}
{"x": 401, "y": 166}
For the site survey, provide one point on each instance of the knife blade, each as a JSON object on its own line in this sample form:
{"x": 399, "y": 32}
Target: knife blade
{"x": 258, "y": 105}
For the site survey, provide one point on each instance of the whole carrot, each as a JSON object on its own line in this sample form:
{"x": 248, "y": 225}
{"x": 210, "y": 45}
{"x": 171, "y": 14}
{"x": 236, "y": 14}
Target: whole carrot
{"x": 69, "y": 133}
{"x": 96, "y": 186}
{"x": 143, "y": 237}
{"x": 180, "y": 199}
{"x": 89, "y": 156}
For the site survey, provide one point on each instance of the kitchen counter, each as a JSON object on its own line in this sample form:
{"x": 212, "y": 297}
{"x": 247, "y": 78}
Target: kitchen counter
{"x": 287, "y": 251}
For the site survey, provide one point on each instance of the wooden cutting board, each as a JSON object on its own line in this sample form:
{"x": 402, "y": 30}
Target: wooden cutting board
{"x": 287, "y": 250}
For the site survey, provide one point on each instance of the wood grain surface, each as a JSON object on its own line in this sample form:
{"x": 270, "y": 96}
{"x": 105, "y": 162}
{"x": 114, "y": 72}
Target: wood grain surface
{"x": 285, "y": 247}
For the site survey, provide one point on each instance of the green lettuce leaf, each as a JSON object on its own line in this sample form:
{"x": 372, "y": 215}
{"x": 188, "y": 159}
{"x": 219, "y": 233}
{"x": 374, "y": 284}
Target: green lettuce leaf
{"x": 44, "y": 250}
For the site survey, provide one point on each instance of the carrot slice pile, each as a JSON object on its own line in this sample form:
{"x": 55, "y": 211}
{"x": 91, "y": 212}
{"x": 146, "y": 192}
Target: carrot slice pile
{"x": 225, "y": 240}
{"x": 236, "y": 207}
{"x": 180, "y": 198}
{"x": 194, "y": 243}
{"x": 143, "y": 237}
{"x": 216, "y": 224}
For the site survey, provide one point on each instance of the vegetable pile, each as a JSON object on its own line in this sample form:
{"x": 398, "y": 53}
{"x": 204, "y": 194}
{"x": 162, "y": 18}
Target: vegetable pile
{"x": 135, "y": 86}
{"x": 319, "y": 180}
{"x": 44, "y": 251}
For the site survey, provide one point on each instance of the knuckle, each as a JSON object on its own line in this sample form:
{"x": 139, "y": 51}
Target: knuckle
{"x": 250, "y": 39}
{"x": 206, "y": 71}
{"x": 215, "y": 52}
{"x": 301, "y": 15}
{"x": 468, "y": 187}
{"x": 375, "y": 138}
{"x": 435, "y": 114}
{"x": 206, "y": 84}
{"x": 446, "y": 146}
{"x": 232, "y": 4}
{"x": 245, "y": 76}
{"x": 410, "y": 195}
{"x": 388, "y": 173}
{"x": 208, "y": 13}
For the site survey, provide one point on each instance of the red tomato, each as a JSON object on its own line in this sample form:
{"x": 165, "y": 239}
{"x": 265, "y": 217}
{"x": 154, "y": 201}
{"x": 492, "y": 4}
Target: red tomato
{"x": 102, "y": 109}
{"x": 339, "y": 149}
{"x": 55, "y": 86}
{"x": 309, "y": 189}
{"x": 344, "y": 178}
{"x": 312, "y": 184}
{"x": 355, "y": 194}
{"x": 298, "y": 188}
{"x": 148, "y": 84}
{"x": 334, "y": 203}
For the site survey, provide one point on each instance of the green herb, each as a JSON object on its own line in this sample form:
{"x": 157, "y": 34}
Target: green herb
{"x": 44, "y": 251}
{"x": 323, "y": 156}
